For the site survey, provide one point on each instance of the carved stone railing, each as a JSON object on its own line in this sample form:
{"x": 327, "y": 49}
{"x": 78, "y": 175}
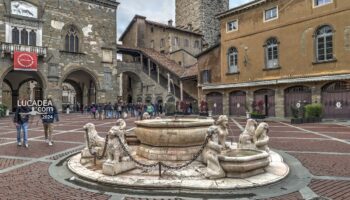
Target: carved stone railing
{"x": 9, "y": 48}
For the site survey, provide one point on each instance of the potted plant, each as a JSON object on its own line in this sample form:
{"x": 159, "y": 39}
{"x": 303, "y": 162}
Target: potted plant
{"x": 313, "y": 113}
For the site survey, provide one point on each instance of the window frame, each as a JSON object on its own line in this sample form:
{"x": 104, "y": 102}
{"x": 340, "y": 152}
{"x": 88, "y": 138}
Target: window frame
{"x": 232, "y": 51}
{"x": 75, "y": 42}
{"x": 317, "y": 6}
{"x": 271, "y": 46}
{"x": 233, "y": 30}
{"x": 271, "y": 19}
{"x": 206, "y": 76}
{"x": 324, "y": 37}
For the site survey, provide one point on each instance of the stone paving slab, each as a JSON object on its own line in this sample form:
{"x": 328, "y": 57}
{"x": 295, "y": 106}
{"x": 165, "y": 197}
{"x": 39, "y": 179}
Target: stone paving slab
{"x": 36, "y": 149}
{"x": 34, "y": 182}
{"x": 307, "y": 145}
{"x": 8, "y": 162}
{"x": 326, "y": 165}
{"x": 334, "y": 190}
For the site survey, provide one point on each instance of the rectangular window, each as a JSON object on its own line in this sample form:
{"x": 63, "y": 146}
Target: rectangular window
{"x": 206, "y": 76}
{"x": 186, "y": 43}
{"x": 232, "y": 25}
{"x": 162, "y": 43}
{"x": 321, "y": 2}
{"x": 271, "y": 14}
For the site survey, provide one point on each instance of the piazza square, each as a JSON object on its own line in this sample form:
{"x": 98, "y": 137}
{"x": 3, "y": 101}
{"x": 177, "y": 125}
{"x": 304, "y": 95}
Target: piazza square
{"x": 174, "y": 99}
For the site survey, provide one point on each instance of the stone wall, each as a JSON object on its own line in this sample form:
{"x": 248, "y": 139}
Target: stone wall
{"x": 201, "y": 14}
{"x": 95, "y": 22}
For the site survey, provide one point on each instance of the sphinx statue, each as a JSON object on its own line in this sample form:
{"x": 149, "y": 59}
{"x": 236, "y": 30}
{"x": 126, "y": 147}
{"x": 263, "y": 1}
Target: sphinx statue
{"x": 211, "y": 153}
{"x": 246, "y": 138}
{"x": 261, "y": 139}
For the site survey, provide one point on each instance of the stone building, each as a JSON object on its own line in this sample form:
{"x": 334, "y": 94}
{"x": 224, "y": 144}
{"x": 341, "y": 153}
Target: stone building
{"x": 200, "y": 15}
{"x": 159, "y": 62}
{"x": 179, "y": 44}
{"x": 74, "y": 43}
{"x": 278, "y": 54}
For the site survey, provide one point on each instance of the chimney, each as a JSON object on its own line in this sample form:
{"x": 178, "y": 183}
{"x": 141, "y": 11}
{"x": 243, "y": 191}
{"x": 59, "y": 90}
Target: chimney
{"x": 170, "y": 22}
{"x": 190, "y": 26}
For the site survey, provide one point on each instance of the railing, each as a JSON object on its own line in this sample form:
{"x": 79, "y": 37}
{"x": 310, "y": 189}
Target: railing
{"x": 11, "y": 48}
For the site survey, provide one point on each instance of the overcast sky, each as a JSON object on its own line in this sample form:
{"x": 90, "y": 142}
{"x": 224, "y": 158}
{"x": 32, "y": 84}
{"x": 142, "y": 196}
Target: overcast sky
{"x": 155, "y": 10}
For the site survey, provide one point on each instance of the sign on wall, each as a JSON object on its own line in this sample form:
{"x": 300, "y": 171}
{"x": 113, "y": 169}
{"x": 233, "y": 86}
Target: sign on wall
{"x": 25, "y": 61}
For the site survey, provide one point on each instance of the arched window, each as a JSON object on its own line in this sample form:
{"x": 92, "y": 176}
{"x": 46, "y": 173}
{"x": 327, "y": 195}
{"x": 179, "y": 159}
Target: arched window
{"x": 15, "y": 35}
{"x": 271, "y": 53}
{"x": 324, "y": 43}
{"x": 72, "y": 40}
{"x": 232, "y": 58}
{"x": 32, "y": 38}
{"x": 24, "y": 37}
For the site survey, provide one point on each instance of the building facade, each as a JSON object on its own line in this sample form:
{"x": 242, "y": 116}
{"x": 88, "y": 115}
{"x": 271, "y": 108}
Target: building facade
{"x": 278, "y": 54}
{"x": 200, "y": 15}
{"x": 74, "y": 43}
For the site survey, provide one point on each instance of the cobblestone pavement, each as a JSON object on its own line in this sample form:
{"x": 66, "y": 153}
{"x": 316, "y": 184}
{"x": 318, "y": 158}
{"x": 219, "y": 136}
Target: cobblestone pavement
{"x": 324, "y": 149}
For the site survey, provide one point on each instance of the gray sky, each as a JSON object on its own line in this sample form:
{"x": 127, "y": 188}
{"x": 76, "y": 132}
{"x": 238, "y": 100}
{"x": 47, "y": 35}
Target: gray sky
{"x": 155, "y": 10}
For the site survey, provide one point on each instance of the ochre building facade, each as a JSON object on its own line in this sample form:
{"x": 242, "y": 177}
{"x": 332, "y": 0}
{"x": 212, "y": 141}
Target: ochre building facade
{"x": 279, "y": 54}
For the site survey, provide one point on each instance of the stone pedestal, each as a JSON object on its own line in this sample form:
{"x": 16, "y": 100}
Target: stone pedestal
{"x": 111, "y": 169}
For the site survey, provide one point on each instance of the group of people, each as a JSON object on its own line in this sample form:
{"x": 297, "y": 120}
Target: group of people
{"x": 24, "y": 116}
{"x": 122, "y": 110}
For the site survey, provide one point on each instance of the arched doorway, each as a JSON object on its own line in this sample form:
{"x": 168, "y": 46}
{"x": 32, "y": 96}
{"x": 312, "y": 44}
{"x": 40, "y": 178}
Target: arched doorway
{"x": 296, "y": 96}
{"x": 335, "y": 99}
{"x": 237, "y": 103}
{"x": 215, "y": 102}
{"x": 264, "y": 102}
{"x": 132, "y": 87}
{"x": 83, "y": 86}
{"x": 25, "y": 85}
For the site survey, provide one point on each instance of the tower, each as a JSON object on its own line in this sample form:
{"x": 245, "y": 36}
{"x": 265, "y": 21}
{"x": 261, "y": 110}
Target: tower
{"x": 201, "y": 15}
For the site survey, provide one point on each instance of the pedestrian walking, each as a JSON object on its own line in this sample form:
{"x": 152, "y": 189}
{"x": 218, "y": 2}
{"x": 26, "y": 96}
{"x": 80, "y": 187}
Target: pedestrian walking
{"x": 21, "y": 121}
{"x": 48, "y": 119}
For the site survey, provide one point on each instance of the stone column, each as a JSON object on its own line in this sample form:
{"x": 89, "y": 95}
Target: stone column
{"x": 149, "y": 67}
{"x": 168, "y": 82}
{"x": 121, "y": 84}
{"x": 249, "y": 100}
{"x": 279, "y": 102}
{"x": 181, "y": 91}
{"x": 316, "y": 94}
{"x": 158, "y": 74}
{"x": 225, "y": 103}
{"x": 14, "y": 98}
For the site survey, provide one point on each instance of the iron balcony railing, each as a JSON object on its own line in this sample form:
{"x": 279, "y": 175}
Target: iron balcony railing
{"x": 11, "y": 48}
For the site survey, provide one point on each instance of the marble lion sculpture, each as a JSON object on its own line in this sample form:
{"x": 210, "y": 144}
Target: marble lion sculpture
{"x": 115, "y": 152}
{"x": 210, "y": 155}
{"x": 261, "y": 138}
{"x": 246, "y": 139}
{"x": 222, "y": 129}
{"x": 95, "y": 141}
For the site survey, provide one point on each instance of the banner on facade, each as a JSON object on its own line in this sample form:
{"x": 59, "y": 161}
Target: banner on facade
{"x": 25, "y": 61}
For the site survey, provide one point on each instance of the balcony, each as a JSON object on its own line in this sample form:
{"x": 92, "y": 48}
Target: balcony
{"x": 9, "y": 48}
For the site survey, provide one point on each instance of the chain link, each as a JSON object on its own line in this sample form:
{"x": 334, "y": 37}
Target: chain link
{"x": 90, "y": 148}
{"x": 161, "y": 163}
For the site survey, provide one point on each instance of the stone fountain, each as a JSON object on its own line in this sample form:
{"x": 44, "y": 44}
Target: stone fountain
{"x": 180, "y": 154}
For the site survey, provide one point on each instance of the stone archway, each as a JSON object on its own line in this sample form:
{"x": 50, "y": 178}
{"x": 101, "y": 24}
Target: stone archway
{"x": 132, "y": 86}
{"x": 215, "y": 103}
{"x": 335, "y": 99}
{"x": 264, "y": 102}
{"x": 294, "y": 97}
{"x": 34, "y": 81}
{"x": 85, "y": 85}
